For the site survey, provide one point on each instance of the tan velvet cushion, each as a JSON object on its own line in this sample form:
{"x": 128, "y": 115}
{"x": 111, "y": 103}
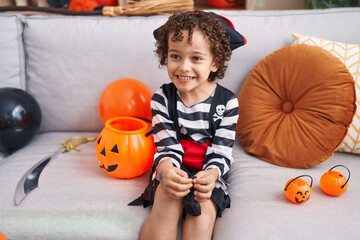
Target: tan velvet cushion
{"x": 295, "y": 106}
{"x": 349, "y": 54}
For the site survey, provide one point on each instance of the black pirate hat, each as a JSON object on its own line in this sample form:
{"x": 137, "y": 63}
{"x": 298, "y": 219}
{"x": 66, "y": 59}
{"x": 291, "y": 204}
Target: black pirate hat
{"x": 236, "y": 39}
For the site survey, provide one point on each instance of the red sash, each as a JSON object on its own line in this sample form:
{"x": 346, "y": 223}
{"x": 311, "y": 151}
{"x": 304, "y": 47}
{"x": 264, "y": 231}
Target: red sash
{"x": 194, "y": 154}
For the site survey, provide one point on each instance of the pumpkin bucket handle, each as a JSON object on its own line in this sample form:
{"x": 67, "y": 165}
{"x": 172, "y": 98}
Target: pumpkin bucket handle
{"x": 299, "y": 177}
{"x": 346, "y": 169}
{"x": 149, "y": 121}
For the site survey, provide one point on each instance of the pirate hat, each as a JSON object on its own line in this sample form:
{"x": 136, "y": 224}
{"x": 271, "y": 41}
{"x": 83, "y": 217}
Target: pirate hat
{"x": 236, "y": 39}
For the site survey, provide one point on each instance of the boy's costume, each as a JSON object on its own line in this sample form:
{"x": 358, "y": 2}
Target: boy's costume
{"x": 196, "y": 138}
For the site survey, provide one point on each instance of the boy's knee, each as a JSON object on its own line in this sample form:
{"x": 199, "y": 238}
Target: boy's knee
{"x": 200, "y": 226}
{"x": 203, "y": 222}
{"x": 166, "y": 207}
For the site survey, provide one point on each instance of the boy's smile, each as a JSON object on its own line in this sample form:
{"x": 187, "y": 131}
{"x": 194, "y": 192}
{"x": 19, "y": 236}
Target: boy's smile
{"x": 184, "y": 79}
{"x": 189, "y": 65}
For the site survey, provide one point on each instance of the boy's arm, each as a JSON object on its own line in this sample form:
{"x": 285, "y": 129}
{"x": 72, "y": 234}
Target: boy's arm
{"x": 167, "y": 145}
{"x": 219, "y": 154}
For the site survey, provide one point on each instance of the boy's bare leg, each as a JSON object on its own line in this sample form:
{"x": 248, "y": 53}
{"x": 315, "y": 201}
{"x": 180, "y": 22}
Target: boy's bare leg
{"x": 200, "y": 227}
{"x": 163, "y": 220}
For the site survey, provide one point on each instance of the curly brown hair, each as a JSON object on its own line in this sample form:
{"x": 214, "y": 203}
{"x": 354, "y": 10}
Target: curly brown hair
{"x": 209, "y": 25}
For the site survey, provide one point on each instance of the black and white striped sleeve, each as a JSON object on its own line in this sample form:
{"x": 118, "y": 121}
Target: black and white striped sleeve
{"x": 219, "y": 154}
{"x": 167, "y": 145}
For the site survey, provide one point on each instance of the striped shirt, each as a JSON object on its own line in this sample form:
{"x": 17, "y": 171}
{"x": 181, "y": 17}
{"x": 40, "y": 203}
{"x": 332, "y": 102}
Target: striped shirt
{"x": 195, "y": 126}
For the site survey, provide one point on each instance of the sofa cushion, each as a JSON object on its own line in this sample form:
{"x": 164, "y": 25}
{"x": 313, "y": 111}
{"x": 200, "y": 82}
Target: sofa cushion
{"x": 349, "y": 54}
{"x": 12, "y": 52}
{"x": 71, "y": 60}
{"x": 295, "y": 106}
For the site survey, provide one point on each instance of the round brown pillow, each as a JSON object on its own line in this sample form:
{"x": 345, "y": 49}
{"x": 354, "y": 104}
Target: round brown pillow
{"x": 295, "y": 106}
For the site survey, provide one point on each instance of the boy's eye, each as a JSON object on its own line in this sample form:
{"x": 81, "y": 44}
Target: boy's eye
{"x": 174, "y": 56}
{"x": 197, "y": 58}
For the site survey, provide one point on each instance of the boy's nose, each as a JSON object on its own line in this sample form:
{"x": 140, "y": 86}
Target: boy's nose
{"x": 185, "y": 65}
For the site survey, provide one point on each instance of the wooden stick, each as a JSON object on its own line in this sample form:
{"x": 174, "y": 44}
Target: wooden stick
{"x": 149, "y": 7}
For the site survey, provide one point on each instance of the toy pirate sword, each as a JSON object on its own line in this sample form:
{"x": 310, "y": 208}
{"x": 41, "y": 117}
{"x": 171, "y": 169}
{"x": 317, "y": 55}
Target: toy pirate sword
{"x": 30, "y": 181}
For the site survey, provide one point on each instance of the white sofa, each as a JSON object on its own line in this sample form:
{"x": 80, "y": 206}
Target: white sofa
{"x": 66, "y": 62}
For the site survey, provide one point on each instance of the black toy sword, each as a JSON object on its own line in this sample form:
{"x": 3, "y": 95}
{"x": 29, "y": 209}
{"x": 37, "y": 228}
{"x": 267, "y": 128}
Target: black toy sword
{"x": 30, "y": 181}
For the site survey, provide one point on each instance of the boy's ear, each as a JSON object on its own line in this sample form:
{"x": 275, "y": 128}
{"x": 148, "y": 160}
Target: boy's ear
{"x": 214, "y": 66}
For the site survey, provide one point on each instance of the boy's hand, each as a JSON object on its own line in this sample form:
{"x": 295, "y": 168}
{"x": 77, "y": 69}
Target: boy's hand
{"x": 175, "y": 182}
{"x": 204, "y": 184}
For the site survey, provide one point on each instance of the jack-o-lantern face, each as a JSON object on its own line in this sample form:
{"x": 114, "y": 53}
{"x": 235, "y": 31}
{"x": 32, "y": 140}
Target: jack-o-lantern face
{"x": 298, "y": 190}
{"x": 110, "y": 168}
{"x": 123, "y": 148}
{"x": 301, "y": 197}
{"x": 334, "y": 183}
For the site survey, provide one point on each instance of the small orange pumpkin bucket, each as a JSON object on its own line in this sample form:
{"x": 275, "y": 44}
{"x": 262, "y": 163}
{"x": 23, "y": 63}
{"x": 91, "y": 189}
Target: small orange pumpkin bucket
{"x": 298, "y": 190}
{"x": 334, "y": 183}
{"x": 124, "y": 148}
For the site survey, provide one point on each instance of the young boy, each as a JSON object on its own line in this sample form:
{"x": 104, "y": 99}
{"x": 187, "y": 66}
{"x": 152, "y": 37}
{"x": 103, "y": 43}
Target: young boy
{"x": 194, "y": 122}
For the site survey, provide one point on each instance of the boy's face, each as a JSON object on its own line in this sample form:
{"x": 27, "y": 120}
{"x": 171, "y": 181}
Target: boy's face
{"x": 190, "y": 63}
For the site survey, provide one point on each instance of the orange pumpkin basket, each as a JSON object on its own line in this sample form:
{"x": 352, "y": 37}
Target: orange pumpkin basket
{"x": 298, "y": 190}
{"x": 124, "y": 148}
{"x": 334, "y": 183}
